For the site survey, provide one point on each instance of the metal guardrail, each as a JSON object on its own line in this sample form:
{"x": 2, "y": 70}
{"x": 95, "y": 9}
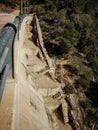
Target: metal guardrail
{"x": 23, "y": 6}
{"x": 7, "y": 38}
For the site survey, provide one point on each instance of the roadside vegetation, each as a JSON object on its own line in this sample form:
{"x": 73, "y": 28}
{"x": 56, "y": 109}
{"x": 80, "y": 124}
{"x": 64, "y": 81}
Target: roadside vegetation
{"x": 70, "y": 31}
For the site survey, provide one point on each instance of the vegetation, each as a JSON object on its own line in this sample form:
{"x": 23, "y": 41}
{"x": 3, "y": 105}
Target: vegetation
{"x": 71, "y": 28}
{"x": 9, "y": 2}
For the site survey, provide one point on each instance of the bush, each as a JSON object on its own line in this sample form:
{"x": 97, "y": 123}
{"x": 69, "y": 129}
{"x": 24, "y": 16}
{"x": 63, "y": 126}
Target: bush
{"x": 86, "y": 104}
{"x": 93, "y": 60}
{"x": 82, "y": 83}
{"x": 70, "y": 37}
{"x": 71, "y": 69}
{"x": 66, "y": 46}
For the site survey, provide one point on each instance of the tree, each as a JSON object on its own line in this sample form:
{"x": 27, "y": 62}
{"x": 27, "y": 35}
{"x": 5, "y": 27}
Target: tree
{"x": 70, "y": 37}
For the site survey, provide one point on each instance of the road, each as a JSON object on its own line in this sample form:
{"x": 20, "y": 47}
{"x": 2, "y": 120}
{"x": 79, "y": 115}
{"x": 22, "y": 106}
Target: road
{"x": 5, "y": 18}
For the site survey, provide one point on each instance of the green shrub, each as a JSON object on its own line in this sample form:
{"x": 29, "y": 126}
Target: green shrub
{"x": 86, "y": 104}
{"x": 70, "y": 37}
{"x": 84, "y": 81}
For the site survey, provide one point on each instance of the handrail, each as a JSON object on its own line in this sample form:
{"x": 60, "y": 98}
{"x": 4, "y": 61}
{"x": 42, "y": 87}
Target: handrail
{"x": 3, "y": 80}
{"x": 7, "y": 37}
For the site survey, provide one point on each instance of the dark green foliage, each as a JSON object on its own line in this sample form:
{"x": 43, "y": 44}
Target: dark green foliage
{"x": 82, "y": 82}
{"x": 71, "y": 69}
{"x": 66, "y": 46}
{"x": 61, "y": 36}
{"x": 37, "y": 1}
{"x": 70, "y": 37}
{"x": 67, "y": 36}
{"x": 92, "y": 93}
{"x": 53, "y": 50}
{"x": 93, "y": 60}
{"x": 10, "y": 3}
{"x": 92, "y": 116}
{"x": 86, "y": 104}
{"x": 70, "y": 28}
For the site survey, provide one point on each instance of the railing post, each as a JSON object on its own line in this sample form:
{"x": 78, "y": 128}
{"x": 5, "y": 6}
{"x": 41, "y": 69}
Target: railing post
{"x": 4, "y": 77}
{"x": 21, "y": 7}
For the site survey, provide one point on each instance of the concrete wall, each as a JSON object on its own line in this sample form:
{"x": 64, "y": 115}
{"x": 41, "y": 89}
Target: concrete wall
{"x": 29, "y": 111}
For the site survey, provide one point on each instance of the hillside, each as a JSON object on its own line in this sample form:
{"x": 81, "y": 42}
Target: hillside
{"x": 70, "y": 36}
{"x": 9, "y": 2}
{"x": 7, "y": 6}
{"x": 70, "y": 29}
